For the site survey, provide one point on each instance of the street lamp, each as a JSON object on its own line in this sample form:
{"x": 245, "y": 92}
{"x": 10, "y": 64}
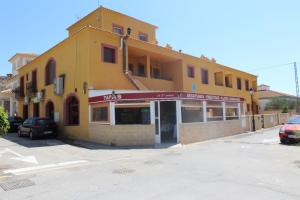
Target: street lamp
{"x": 252, "y": 109}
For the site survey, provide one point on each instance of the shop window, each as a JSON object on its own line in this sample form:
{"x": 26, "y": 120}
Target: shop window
{"x": 232, "y": 111}
{"x": 191, "y": 111}
{"x": 239, "y": 83}
{"x": 204, "y": 76}
{"x": 143, "y": 37}
{"x": 190, "y": 72}
{"x": 219, "y": 78}
{"x": 50, "y": 72}
{"x": 100, "y": 114}
{"x": 109, "y": 54}
{"x": 132, "y": 115}
{"x": 118, "y": 29}
{"x": 214, "y": 111}
{"x": 247, "y": 85}
{"x": 72, "y": 111}
{"x": 141, "y": 70}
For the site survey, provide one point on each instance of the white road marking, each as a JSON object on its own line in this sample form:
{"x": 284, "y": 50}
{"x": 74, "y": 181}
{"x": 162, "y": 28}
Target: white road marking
{"x": 42, "y": 168}
{"x": 29, "y": 159}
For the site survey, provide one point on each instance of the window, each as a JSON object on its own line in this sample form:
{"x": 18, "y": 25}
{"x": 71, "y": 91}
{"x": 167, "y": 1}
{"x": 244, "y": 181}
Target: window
{"x": 34, "y": 81}
{"x": 156, "y": 73}
{"x": 36, "y": 110}
{"x": 228, "y": 80}
{"x": 232, "y": 111}
{"x": 25, "y": 112}
{"x": 133, "y": 115}
{"x": 72, "y": 110}
{"x": 248, "y": 107}
{"x": 118, "y": 29}
{"x": 141, "y": 70}
{"x": 109, "y": 54}
{"x": 214, "y": 111}
{"x": 143, "y": 37}
{"x": 219, "y": 78}
{"x": 100, "y": 114}
{"x": 191, "y": 111}
{"x": 22, "y": 85}
{"x": 50, "y": 110}
{"x": 27, "y": 77}
{"x": 50, "y": 72}
{"x": 131, "y": 68}
{"x": 247, "y": 85}
{"x": 190, "y": 72}
{"x": 239, "y": 83}
{"x": 204, "y": 76}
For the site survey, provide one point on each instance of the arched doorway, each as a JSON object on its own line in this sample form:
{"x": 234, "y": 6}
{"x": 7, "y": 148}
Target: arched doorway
{"x": 50, "y": 110}
{"x": 72, "y": 110}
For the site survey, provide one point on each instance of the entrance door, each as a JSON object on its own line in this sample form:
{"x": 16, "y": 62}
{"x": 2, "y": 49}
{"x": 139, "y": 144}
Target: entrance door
{"x": 168, "y": 121}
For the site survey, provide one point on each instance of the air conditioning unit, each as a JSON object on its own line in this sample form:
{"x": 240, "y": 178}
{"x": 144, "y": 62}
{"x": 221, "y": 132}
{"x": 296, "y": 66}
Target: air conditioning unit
{"x": 59, "y": 85}
{"x": 40, "y": 95}
{"x": 26, "y": 100}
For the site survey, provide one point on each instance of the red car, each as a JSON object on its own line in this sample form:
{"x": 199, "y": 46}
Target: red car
{"x": 290, "y": 132}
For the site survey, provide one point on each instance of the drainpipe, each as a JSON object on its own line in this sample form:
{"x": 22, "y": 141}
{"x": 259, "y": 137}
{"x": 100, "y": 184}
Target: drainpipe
{"x": 124, "y": 47}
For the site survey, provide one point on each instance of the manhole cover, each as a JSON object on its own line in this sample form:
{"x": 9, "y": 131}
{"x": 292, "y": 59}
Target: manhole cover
{"x": 123, "y": 171}
{"x": 13, "y": 185}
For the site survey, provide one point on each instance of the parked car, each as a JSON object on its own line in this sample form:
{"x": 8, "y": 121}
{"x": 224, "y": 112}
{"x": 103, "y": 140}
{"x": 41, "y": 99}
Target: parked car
{"x": 38, "y": 127}
{"x": 14, "y": 123}
{"x": 290, "y": 132}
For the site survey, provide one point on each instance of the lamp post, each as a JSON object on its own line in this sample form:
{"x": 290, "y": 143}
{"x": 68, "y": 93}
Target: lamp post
{"x": 252, "y": 109}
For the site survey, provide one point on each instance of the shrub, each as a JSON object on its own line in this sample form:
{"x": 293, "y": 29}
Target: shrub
{"x": 4, "y": 124}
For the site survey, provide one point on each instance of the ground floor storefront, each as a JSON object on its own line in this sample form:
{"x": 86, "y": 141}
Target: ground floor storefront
{"x": 126, "y": 118}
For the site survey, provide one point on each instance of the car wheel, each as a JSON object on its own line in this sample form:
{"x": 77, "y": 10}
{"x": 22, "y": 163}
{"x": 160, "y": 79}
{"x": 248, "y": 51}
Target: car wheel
{"x": 31, "y": 136}
{"x": 20, "y": 133}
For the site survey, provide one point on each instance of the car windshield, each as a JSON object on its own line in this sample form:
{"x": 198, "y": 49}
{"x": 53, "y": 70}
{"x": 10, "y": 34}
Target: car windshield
{"x": 45, "y": 121}
{"x": 294, "y": 120}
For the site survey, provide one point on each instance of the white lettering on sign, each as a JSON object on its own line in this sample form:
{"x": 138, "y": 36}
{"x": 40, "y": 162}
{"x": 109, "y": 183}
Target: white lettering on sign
{"x": 112, "y": 97}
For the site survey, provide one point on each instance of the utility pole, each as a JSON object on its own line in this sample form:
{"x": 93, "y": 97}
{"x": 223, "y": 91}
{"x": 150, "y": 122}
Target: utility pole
{"x": 297, "y": 87}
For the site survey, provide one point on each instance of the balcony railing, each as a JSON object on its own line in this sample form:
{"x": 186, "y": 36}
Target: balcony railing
{"x": 31, "y": 88}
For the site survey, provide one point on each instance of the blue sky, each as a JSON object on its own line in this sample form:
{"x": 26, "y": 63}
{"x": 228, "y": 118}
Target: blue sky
{"x": 248, "y": 35}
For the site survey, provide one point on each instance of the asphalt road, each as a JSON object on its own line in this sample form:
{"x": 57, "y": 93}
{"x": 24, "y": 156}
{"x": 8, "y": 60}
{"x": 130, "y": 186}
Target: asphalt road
{"x": 248, "y": 166}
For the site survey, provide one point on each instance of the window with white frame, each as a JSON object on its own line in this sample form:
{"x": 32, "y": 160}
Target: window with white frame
{"x": 100, "y": 114}
{"x": 191, "y": 111}
{"x": 214, "y": 111}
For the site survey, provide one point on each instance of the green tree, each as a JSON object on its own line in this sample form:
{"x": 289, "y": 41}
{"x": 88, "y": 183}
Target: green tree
{"x": 4, "y": 124}
{"x": 277, "y": 103}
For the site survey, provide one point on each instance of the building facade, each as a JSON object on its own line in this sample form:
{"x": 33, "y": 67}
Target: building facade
{"x": 12, "y": 83}
{"x": 110, "y": 82}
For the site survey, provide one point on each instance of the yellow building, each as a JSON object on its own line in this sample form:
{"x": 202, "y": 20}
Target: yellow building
{"x": 110, "y": 82}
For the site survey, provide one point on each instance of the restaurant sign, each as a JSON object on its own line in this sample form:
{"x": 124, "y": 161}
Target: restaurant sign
{"x": 161, "y": 96}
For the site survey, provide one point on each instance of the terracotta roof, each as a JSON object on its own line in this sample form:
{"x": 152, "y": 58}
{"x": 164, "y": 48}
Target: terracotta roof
{"x": 264, "y": 94}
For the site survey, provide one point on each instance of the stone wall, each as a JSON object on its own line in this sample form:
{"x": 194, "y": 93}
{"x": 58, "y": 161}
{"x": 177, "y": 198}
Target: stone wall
{"x": 196, "y": 132}
{"x": 122, "y": 135}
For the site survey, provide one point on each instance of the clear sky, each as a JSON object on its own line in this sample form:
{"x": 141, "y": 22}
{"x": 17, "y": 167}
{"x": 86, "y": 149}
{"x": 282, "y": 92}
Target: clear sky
{"x": 249, "y": 35}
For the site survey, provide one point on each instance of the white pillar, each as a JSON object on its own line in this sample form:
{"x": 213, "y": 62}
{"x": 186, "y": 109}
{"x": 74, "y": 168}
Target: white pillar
{"x": 224, "y": 110}
{"x": 179, "y": 118}
{"x": 239, "y": 110}
{"x": 204, "y": 111}
{"x": 11, "y": 106}
{"x": 152, "y": 112}
{"x": 112, "y": 113}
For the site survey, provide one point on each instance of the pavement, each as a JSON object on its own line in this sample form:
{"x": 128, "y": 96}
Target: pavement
{"x": 246, "y": 166}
